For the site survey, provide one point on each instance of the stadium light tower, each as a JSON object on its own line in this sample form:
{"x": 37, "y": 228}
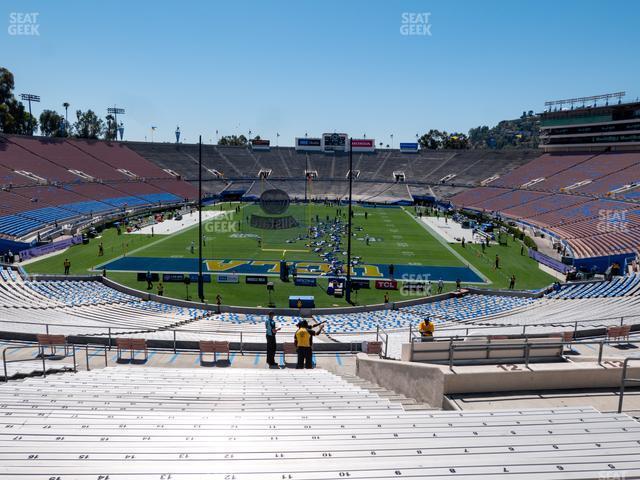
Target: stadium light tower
{"x": 200, "y": 281}
{"x": 115, "y": 111}
{"x": 29, "y": 97}
{"x": 347, "y": 290}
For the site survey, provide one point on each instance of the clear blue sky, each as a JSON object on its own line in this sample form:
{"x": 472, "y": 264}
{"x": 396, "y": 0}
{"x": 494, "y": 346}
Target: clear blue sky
{"x": 314, "y": 66}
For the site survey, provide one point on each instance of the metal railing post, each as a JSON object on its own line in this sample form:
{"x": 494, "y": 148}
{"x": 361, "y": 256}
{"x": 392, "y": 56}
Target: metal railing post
{"x": 86, "y": 352}
{"x": 451, "y": 350}
{"x": 623, "y": 381}
{"x": 4, "y": 363}
{"x": 600, "y": 349}
{"x": 377, "y": 332}
{"x": 106, "y": 360}
{"x": 44, "y": 364}
{"x": 175, "y": 350}
{"x": 241, "y": 344}
{"x": 75, "y": 365}
{"x": 47, "y": 328}
{"x": 109, "y": 338}
{"x": 527, "y": 352}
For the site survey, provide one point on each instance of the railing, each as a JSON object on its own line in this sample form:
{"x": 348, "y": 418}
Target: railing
{"x": 43, "y": 356}
{"x": 624, "y": 380}
{"x": 111, "y": 332}
{"x": 526, "y": 347}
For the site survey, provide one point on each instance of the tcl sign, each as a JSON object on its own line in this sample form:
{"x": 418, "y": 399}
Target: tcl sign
{"x": 386, "y": 285}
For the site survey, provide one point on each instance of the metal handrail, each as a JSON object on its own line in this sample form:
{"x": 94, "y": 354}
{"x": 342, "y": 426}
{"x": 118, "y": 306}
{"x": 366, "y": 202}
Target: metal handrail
{"x": 42, "y": 355}
{"x": 624, "y": 380}
{"x": 527, "y": 346}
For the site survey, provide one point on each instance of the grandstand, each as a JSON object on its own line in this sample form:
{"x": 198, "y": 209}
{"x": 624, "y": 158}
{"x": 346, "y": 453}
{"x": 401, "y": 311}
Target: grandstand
{"x": 124, "y": 422}
{"x": 49, "y": 181}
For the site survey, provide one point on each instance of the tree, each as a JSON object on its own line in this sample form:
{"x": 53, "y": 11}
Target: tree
{"x": 13, "y": 116}
{"x": 233, "y": 140}
{"x": 111, "y": 132}
{"x": 456, "y": 141}
{"x": 52, "y": 124}
{"x": 88, "y": 125}
{"x": 432, "y": 140}
{"x": 523, "y": 132}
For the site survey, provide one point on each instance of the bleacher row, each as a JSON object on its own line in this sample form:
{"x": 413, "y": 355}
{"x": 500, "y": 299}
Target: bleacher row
{"x": 92, "y": 308}
{"x": 81, "y": 308}
{"x": 240, "y": 166}
{"x": 186, "y": 424}
{"x": 45, "y": 181}
{"x": 587, "y": 200}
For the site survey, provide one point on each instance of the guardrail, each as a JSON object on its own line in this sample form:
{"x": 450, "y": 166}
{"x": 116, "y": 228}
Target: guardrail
{"x": 522, "y": 330}
{"x": 526, "y": 347}
{"x": 624, "y": 380}
{"x": 42, "y": 356}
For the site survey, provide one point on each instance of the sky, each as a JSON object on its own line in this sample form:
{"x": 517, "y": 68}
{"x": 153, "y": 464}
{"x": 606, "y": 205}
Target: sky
{"x": 373, "y": 68}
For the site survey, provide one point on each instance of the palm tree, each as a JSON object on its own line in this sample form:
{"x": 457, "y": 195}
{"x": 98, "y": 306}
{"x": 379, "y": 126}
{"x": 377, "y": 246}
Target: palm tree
{"x": 66, "y": 106}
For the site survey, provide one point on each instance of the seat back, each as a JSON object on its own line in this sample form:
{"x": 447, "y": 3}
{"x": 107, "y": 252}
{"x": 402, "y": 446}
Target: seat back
{"x": 138, "y": 344}
{"x": 221, "y": 346}
{"x": 124, "y": 343}
{"x": 289, "y": 347}
{"x": 57, "y": 340}
{"x": 207, "y": 346}
{"x": 374, "y": 348}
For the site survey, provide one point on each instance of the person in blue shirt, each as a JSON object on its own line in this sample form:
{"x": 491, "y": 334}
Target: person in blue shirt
{"x": 271, "y": 330}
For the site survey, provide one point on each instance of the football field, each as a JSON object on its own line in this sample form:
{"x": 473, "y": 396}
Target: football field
{"x": 381, "y": 237}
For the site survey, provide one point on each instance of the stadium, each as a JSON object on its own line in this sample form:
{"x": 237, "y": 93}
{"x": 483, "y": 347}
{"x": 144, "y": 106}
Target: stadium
{"x": 445, "y": 304}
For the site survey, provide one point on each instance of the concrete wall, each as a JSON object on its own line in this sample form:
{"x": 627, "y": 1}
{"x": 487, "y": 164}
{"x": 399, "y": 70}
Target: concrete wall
{"x": 420, "y": 381}
{"x": 428, "y": 383}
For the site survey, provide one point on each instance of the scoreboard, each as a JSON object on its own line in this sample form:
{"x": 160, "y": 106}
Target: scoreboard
{"x": 334, "y": 142}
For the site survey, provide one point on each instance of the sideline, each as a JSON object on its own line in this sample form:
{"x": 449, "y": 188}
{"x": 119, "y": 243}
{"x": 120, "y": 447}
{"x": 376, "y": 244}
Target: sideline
{"x": 444, "y": 243}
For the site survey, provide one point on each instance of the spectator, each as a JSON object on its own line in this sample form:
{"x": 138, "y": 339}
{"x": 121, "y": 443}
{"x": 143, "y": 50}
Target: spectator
{"x": 271, "y": 330}
{"x": 219, "y": 303}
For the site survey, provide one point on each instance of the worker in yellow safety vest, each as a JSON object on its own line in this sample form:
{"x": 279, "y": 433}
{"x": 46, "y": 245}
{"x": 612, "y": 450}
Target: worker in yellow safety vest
{"x": 304, "y": 343}
{"x": 426, "y": 329}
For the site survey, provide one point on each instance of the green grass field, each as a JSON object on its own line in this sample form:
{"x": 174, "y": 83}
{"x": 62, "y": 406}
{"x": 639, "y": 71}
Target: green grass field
{"x": 399, "y": 239}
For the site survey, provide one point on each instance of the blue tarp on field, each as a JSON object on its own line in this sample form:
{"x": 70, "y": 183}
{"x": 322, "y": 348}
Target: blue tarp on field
{"x": 261, "y": 267}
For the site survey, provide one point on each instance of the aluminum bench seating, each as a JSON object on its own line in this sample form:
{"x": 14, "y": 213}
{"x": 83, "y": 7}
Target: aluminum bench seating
{"x": 484, "y": 350}
{"x": 207, "y": 423}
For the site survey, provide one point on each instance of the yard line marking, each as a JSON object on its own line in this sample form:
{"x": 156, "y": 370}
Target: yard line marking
{"x": 444, "y": 243}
